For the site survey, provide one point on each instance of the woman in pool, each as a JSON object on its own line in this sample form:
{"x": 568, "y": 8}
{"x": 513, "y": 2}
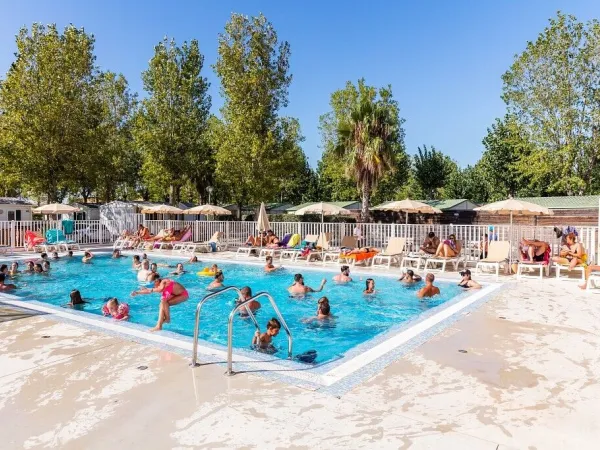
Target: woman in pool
{"x": 344, "y": 276}
{"x": 44, "y": 256}
{"x": 14, "y": 269}
{"x": 323, "y": 311}
{"x": 87, "y": 257}
{"x": 369, "y": 286}
{"x": 409, "y": 277}
{"x": 193, "y": 259}
{"x": 136, "y": 264}
{"x": 269, "y": 267}
{"x": 466, "y": 282}
{"x": 298, "y": 288}
{"x": 217, "y": 283}
{"x": 46, "y": 266}
{"x": 179, "y": 270}
{"x": 4, "y": 286}
{"x": 54, "y": 255}
{"x": 75, "y": 300}
{"x": 263, "y": 342}
{"x": 118, "y": 311}
{"x": 38, "y": 268}
{"x": 173, "y": 294}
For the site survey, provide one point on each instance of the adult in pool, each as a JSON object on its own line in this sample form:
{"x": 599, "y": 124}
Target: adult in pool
{"x": 369, "y": 286}
{"x": 87, "y": 257}
{"x": 193, "y": 259}
{"x": 117, "y": 254}
{"x": 269, "y": 267}
{"x": 429, "y": 290}
{"x": 172, "y": 292}
{"x": 218, "y": 281}
{"x": 38, "y": 268}
{"x": 466, "y": 282}
{"x": 344, "y": 276}
{"x": 299, "y": 288}
{"x": 75, "y": 300}
{"x": 179, "y": 270}
{"x": 136, "y": 264}
{"x": 14, "y": 269}
{"x": 144, "y": 273}
{"x": 247, "y": 295}
{"x": 4, "y": 286}
{"x": 46, "y": 266}
{"x": 55, "y": 255}
{"x": 409, "y": 277}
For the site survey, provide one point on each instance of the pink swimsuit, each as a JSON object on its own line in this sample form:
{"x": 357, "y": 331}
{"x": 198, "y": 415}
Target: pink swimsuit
{"x": 167, "y": 292}
{"x": 122, "y": 311}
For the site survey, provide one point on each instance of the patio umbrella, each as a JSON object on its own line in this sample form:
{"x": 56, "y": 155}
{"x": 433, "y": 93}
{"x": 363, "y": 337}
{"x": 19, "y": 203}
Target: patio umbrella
{"x": 208, "y": 210}
{"x": 512, "y": 207}
{"x": 162, "y": 209}
{"x": 262, "y": 223}
{"x": 325, "y": 209}
{"x": 408, "y": 206}
{"x": 55, "y": 208}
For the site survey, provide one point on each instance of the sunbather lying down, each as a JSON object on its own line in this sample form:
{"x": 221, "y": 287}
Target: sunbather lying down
{"x": 356, "y": 251}
{"x": 162, "y": 235}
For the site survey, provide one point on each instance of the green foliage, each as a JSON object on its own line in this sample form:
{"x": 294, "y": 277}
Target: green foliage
{"x": 432, "y": 169}
{"x": 171, "y": 123}
{"x": 363, "y": 146}
{"x": 552, "y": 89}
{"x": 469, "y": 183}
{"x": 258, "y": 153}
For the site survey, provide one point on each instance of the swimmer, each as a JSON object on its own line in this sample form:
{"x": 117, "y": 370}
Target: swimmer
{"x": 38, "y": 268}
{"x": 153, "y": 266}
{"x": 4, "y": 269}
{"x": 14, "y": 269}
{"x": 247, "y": 295}
{"x": 4, "y": 286}
{"x": 144, "y": 273}
{"x": 70, "y": 254}
{"x": 323, "y": 311}
{"x": 144, "y": 256}
{"x": 344, "y": 276}
{"x": 410, "y": 277}
{"x": 54, "y": 255}
{"x": 115, "y": 310}
{"x": 467, "y": 282}
{"x": 429, "y": 290}
{"x": 116, "y": 254}
{"x": 193, "y": 259}
{"x": 218, "y": 281}
{"x": 30, "y": 267}
{"x": 179, "y": 270}
{"x": 75, "y": 300}
{"x": 263, "y": 341}
{"x": 46, "y": 266}
{"x": 299, "y": 288}
{"x": 87, "y": 257}
{"x": 369, "y": 286}
{"x": 269, "y": 267}
{"x": 44, "y": 256}
{"x": 172, "y": 292}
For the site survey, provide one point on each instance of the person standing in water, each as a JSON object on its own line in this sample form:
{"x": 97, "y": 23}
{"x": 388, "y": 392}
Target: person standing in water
{"x": 429, "y": 290}
{"x": 298, "y": 288}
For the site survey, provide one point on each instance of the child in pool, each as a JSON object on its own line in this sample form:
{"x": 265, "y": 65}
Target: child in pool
{"x": 87, "y": 257}
{"x": 116, "y": 310}
{"x": 263, "y": 341}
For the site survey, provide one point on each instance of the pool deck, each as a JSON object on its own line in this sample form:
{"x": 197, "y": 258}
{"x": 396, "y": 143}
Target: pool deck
{"x": 530, "y": 378}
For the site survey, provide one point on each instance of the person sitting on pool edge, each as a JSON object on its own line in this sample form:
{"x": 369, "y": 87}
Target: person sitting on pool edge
{"x": 217, "y": 282}
{"x": 467, "y": 282}
{"x": 173, "y": 293}
{"x": 298, "y": 288}
{"x": 247, "y": 295}
{"x": 344, "y": 276}
{"x": 410, "y": 277}
{"x": 264, "y": 341}
{"x": 269, "y": 267}
{"x": 429, "y": 290}
{"x": 369, "y": 286}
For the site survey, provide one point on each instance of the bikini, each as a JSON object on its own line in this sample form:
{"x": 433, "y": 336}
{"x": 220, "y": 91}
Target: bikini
{"x": 167, "y": 292}
{"x": 464, "y": 286}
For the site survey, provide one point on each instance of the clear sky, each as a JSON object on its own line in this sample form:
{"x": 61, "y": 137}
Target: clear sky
{"x": 444, "y": 59}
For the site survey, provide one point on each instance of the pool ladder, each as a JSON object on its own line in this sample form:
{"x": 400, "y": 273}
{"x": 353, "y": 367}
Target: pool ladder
{"x": 230, "y": 324}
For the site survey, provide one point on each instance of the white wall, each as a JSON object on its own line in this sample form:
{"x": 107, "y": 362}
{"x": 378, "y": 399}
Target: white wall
{"x": 25, "y": 211}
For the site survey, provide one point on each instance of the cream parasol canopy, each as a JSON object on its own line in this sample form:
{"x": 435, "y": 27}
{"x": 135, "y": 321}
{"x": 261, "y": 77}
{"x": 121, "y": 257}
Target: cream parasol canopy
{"x": 162, "y": 209}
{"x": 55, "y": 208}
{"x": 208, "y": 210}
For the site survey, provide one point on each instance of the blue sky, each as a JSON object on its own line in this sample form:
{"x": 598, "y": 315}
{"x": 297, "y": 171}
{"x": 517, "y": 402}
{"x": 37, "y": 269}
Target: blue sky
{"x": 444, "y": 59}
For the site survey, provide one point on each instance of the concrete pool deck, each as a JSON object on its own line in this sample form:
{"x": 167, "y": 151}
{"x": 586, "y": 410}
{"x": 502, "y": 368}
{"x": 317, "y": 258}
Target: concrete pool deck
{"x": 530, "y": 378}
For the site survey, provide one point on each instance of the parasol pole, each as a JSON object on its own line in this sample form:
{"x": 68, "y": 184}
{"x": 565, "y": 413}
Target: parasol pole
{"x": 510, "y": 240}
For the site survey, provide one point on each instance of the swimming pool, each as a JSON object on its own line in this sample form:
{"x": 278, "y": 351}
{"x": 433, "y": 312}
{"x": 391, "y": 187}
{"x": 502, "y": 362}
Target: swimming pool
{"x": 358, "y": 317}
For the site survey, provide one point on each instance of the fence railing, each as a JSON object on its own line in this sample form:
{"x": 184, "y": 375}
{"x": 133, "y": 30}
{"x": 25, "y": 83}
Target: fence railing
{"x": 236, "y": 233}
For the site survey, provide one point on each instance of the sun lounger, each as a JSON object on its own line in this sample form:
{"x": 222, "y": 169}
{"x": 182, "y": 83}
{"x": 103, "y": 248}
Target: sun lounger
{"x": 524, "y": 266}
{"x": 274, "y": 250}
{"x": 497, "y": 255}
{"x": 347, "y": 243}
{"x": 216, "y": 240}
{"x": 593, "y": 281}
{"x": 293, "y": 253}
{"x": 414, "y": 260}
{"x": 351, "y": 259}
{"x": 56, "y": 240}
{"x": 33, "y": 239}
{"x": 558, "y": 268}
{"x": 321, "y": 245}
{"x": 186, "y": 236}
{"x": 443, "y": 261}
{"x": 393, "y": 252}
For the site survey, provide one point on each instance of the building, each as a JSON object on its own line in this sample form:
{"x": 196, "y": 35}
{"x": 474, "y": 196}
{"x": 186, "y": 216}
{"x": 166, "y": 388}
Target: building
{"x": 15, "y": 208}
{"x": 87, "y": 211}
{"x": 457, "y": 211}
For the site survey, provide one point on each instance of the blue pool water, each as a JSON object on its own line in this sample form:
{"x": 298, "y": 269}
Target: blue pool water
{"x": 358, "y": 317}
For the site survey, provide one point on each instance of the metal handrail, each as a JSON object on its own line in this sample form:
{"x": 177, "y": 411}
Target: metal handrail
{"x": 197, "y": 322}
{"x": 230, "y": 328}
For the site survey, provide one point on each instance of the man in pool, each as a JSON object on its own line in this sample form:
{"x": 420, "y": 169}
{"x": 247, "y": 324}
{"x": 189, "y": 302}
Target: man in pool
{"x": 410, "y": 277}
{"x": 298, "y": 288}
{"x": 429, "y": 290}
{"x": 247, "y": 295}
{"x": 269, "y": 267}
{"x": 173, "y": 293}
{"x": 344, "y": 276}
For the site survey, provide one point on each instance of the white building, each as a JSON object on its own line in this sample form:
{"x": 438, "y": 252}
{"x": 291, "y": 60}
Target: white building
{"x": 15, "y": 208}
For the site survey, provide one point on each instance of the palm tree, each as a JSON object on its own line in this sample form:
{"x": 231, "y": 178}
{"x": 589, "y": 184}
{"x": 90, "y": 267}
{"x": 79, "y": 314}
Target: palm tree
{"x": 366, "y": 144}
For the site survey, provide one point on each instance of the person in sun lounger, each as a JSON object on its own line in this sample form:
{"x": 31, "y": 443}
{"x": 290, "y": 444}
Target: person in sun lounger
{"x": 356, "y": 251}
{"x": 449, "y": 248}
{"x": 572, "y": 253}
{"x": 430, "y": 244}
{"x": 534, "y": 249}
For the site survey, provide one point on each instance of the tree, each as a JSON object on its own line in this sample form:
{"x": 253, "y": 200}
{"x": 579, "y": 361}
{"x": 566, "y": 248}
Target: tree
{"x": 470, "y": 183}
{"x": 431, "y": 170}
{"x": 374, "y": 167}
{"x": 47, "y": 103}
{"x": 553, "y": 89}
{"x": 256, "y": 149}
{"x": 171, "y": 123}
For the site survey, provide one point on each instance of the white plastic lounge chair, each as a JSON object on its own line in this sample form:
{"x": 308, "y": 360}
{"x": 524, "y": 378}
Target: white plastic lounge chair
{"x": 294, "y": 253}
{"x": 185, "y": 237}
{"x": 348, "y": 242}
{"x": 321, "y": 245}
{"x": 498, "y": 253}
{"x": 524, "y": 267}
{"x": 443, "y": 261}
{"x": 578, "y": 268}
{"x": 216, "y": 239}
{"x": 593, "y": 281}
{"x": 393, "y": 252}
{"x": 414, "y": 260}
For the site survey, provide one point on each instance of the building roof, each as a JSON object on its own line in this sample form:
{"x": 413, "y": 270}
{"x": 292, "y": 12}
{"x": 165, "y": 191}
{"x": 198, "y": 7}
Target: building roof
{"x": 440, "y": 204}
{"x": 565, "y": 202}
{"x": 15, "y": 201}
{"x": 87, "y": 205}
{"x": 346, "y": 205}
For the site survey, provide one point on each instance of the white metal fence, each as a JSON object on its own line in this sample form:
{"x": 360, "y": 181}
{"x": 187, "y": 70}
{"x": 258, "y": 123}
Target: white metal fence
{"x": 373, "y": 234}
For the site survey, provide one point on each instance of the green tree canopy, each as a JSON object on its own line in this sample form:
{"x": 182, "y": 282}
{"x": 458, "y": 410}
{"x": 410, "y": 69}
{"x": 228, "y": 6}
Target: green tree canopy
{"x": 432, "y": 169}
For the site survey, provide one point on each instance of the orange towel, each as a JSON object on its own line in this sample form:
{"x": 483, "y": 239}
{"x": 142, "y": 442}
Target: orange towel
{"x": 361, "y": 256}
